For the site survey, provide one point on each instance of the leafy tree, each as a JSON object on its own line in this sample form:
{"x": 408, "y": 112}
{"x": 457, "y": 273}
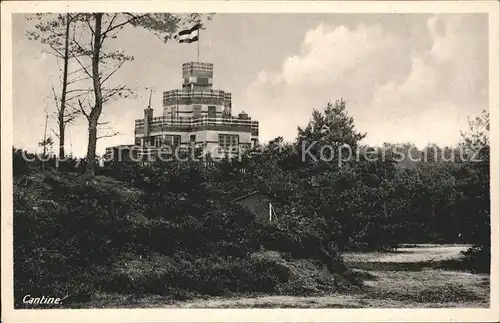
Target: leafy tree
{"x": 475, "y": 189}
{"x": 327, "y": 134}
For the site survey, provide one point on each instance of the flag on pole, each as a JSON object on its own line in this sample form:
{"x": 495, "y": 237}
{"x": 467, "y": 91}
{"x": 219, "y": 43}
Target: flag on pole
{"x": 189, "y": 35}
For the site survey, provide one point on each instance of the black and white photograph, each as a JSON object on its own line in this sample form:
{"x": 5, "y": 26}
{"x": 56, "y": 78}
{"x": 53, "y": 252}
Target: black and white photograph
{"x": 216, "y": 155}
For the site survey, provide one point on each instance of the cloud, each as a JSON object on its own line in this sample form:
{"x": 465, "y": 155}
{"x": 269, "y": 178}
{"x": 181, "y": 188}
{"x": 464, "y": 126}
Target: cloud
{"x": 447, "y": 84}
{"x": 339, "y": 49}
{"x": 398, "y": 90}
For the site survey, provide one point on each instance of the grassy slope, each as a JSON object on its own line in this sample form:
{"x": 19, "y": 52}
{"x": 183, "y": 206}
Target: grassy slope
{"x": 411, "y": 286}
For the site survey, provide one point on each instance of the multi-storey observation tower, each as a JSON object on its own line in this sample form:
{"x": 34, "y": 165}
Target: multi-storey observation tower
{"x": 196, "y": 114}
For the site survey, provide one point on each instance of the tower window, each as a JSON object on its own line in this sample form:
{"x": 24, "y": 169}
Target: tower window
{"x": 197, "y": 111}
{"x": 229, "y": 142}
{"x": 158, "y": 141}
{"x": 172, "y": 140}
{"x": 212, "y": 111}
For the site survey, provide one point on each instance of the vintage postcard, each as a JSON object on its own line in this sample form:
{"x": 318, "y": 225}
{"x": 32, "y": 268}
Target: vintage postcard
{"x": 250, "y": 161}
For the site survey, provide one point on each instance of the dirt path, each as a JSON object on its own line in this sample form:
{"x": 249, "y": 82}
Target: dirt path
{"x": 418, "y": 253}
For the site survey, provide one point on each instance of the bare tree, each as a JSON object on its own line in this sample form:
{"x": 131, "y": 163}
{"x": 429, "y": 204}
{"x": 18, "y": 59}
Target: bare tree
{"x": 100, "y": 62}
{"x": 46, "y": 142}
{"x": 54, "y": 31}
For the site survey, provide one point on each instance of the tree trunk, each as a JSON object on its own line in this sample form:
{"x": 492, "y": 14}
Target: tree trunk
{"x": 44, "y": 142}
{"x": 91, "y": 148}
{"x": 97, "y": 109}
{"x": 61, "y": 121}
{"x": 61, "y": 139}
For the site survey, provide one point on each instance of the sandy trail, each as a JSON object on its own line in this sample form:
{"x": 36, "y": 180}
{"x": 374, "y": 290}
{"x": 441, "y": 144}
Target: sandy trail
{"x": 422, "y": 253}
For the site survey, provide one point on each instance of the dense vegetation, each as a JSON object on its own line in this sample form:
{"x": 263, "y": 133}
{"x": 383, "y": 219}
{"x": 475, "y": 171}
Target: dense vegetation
{"x": 169, "y": 227}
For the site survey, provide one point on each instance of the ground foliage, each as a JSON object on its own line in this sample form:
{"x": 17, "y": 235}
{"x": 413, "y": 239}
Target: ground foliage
{"x": 170, "y": 228}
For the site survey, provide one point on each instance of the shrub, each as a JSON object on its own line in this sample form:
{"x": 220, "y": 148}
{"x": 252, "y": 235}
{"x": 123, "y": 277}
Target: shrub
{"x": 62, "y": 233}
{"x": 20, "y": 165}
{"x": 478, "y": 258}
{"x": 210, "y": 276}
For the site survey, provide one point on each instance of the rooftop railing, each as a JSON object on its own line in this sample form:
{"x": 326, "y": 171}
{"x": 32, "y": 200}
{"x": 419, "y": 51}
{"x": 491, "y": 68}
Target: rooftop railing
{"x": 166, "y": 123}
{"x": 185, "y": 95}
{"x": 168, "y": 120}
{"x": 197, "y": 65}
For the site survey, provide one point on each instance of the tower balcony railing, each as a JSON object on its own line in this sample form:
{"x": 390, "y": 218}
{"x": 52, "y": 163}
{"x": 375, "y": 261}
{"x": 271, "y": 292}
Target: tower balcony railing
{"x": 194, "y": 121}
{"x": 181, "y": 95}
{"x": 198, "y": 66}
{"x": 165, "y": 123}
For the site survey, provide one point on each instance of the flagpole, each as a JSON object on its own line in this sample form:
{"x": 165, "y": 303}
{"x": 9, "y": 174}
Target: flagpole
{"x": 198, "y": 54}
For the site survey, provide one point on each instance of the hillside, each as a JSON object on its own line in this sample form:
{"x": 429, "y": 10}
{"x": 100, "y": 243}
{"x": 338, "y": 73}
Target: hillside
{"x": 80, "y": 236}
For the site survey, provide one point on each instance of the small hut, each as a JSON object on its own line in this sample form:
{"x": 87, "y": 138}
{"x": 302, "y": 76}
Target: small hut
{"x": 262, "y": 205}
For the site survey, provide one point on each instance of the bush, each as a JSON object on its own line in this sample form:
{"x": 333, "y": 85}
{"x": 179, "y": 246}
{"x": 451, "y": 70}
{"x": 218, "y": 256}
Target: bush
{"x": 20, "y": 165}
{"x": 261, "y": 272}
{"x": 209, "y": 276}
{"x": 478, "y": 258}
{"x": 63, "y": 237}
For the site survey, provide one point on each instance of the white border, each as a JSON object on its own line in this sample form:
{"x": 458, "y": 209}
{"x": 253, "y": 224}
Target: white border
{"x": 241, "y": 315}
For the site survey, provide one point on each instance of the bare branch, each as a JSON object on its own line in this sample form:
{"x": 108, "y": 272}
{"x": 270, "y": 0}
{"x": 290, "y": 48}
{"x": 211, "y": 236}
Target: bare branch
{"x": 90, "y": 26}
{"x": 79, "y": 70}
{"x": 78, "y": 79}
{"x": 74, "y": 110}
{"x": 109, "y": 135}
{"x": 82, "y": 109}
{"x": 120, "y": 64}
{"x": 110, "y": 24}
{"x": 83, "y": 67}
{"x": 70, "y": 118}
{"x": 55, "y": 97}
{"x": 61, "y": 55}
{"x": 55, "y": 133}
{"x": 131, "y": 19}
{"x": 51, "y": 53}
{"x": 108, "y": 93}
{"x": 77, "y": 90}
{"x": 77, "y": 96}
{"x": 81, "y": 49}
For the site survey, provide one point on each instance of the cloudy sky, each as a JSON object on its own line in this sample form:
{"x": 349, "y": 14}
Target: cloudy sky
{"x": 407, "y": 78}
